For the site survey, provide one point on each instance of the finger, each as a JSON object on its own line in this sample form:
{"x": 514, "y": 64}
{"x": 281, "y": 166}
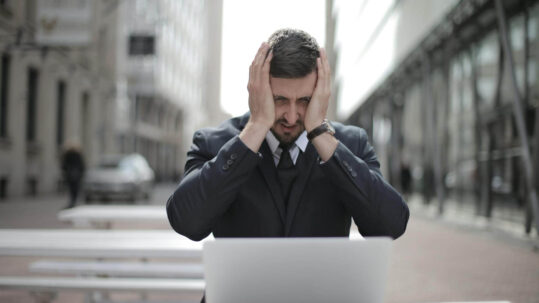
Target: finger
{"x": 254, "y": 68}
{"x": 250, "y": 81}
{"x": 325, "y": 67}
{"x": 264, "y": 73}
{"x": 324, "y": 61}
{"x": 321, "y": 74}
{"x": 267, "y": 64}
{"x": 261, "y": 54}
{"x": 268, "y": 53}
{"x": 258, "y": 52}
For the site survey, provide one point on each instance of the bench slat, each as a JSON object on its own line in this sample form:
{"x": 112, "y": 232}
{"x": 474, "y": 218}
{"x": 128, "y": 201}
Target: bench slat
{"x": 98, "y": 244}
{"x": 120, "y": 269}
{"x": 191, "y": 286}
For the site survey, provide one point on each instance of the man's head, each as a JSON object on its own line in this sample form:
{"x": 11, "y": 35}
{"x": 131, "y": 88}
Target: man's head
{"x": 292, "y": 79}
{"x": 294, "y": 53}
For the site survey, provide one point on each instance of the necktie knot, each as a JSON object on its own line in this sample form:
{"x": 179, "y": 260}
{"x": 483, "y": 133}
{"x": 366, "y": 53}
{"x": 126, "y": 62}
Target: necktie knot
{"x": 285, "y": 160}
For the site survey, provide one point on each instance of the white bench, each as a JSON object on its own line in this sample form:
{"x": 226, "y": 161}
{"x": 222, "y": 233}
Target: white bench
{"x": 104, "y": 216}
{"x": 120, "y": 269}
{"x": 45, "y": 288}
{"x": 146, "y": 244}
{"x": 104, "y": 244}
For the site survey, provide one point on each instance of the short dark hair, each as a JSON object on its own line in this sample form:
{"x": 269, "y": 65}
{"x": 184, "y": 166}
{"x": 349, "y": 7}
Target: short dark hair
{"x": 294, "y": 53}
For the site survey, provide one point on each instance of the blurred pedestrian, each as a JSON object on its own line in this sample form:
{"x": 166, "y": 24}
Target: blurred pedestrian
{"x": 73, "y": 170}
{"x": 406, "y": 179}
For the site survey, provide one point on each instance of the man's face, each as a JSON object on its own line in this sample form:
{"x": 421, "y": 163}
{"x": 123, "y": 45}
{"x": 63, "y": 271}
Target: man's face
{"x": 291, "y": 97}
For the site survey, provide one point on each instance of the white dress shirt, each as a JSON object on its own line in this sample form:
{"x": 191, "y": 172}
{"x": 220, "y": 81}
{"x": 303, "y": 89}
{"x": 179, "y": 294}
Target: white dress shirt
{"x": 300, "y": 144}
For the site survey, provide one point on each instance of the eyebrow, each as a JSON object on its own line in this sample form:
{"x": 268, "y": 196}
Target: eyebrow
{"x": 279, "y": 97}
{"x": 276, "y": 97}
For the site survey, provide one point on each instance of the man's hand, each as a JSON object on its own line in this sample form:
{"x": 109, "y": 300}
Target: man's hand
{"x": 318, "y": 106}
{"x": 317, "y": 109}
{"x": 260, "y": 96}
{"x": 261, "y": 103}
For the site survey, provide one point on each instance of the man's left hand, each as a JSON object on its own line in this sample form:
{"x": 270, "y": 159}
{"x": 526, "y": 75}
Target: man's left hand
{"x": 318, "y": 106}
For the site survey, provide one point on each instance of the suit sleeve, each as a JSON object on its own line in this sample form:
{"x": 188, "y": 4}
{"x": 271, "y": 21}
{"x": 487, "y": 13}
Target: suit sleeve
{"x": 210, "y": 185}
{"x": 376, "y": 207}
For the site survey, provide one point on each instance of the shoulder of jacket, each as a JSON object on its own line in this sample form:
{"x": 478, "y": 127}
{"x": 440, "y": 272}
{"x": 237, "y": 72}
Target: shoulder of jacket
{"x": 349, "y": 132}
{"x": 227, "y": 129}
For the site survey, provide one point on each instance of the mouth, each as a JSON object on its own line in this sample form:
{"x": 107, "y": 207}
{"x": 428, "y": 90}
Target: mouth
{"x": 288, "y": 128}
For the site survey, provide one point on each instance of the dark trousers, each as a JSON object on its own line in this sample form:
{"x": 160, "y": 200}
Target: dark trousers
{"x": 74, "y": 186}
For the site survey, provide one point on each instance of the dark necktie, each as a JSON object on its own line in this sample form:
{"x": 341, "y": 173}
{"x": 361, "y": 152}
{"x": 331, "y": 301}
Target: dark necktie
{"x": 286, "y": 172}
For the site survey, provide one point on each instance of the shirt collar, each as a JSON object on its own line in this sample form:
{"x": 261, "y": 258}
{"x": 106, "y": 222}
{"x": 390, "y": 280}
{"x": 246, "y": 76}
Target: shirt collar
{"x": 273, "y": 142}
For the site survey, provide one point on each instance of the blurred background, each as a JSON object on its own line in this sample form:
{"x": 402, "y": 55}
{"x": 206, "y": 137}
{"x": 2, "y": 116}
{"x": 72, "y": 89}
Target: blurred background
{"x": 447, "y": 90}
{"x": 428, "y": 79}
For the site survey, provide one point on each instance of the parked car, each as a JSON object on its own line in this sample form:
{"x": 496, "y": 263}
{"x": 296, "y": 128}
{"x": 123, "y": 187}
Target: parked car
{"x": 119, "y": 176}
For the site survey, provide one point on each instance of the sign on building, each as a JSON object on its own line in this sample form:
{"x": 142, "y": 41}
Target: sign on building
{"x": 64, "y": 22}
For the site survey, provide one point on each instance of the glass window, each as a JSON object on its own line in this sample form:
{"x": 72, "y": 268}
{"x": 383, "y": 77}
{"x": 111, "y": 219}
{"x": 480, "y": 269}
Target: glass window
{"x": 141, "y": 45}
{"x": 31, "y": 105}
{"x": 533, "y": 67}
{"x": 60, "y": 112}
{"x": 517, "y": 39}
{"x": 4, "y": 93}
{"x": 412, "y": 126}
{"x": 488, "y": 53}
{"x": 461, "y": 149}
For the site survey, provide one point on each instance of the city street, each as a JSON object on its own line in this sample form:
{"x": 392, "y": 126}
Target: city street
{"x": 435, "y": 261}
{"x": 440, "y": 97}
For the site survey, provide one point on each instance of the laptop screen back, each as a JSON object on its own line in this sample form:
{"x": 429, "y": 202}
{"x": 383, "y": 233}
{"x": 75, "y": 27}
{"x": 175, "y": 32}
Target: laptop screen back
{"x": 296, "y": 270}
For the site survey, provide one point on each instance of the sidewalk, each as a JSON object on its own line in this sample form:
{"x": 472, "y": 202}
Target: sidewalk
{"x": 32, "y": 212}
{"x": 439, "y": 260}
{"x": 453, "y": 258}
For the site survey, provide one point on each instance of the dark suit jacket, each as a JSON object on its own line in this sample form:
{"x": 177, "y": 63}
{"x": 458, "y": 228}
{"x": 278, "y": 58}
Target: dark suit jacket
{"x": 233, "y": 192}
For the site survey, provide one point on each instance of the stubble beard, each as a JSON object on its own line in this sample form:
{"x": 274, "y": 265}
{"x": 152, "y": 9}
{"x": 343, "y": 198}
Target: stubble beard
{"x": 287, "y": 139}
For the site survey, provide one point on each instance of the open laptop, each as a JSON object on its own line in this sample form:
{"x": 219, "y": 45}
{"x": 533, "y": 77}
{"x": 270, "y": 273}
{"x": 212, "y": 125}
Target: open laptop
{"x": 296, "y": 270}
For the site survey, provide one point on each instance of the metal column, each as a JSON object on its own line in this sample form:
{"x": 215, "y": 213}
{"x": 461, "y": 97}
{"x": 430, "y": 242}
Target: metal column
{"x": 518, "y": 111}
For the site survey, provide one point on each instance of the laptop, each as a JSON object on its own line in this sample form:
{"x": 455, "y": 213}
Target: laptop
{"x": 296, "y": 270}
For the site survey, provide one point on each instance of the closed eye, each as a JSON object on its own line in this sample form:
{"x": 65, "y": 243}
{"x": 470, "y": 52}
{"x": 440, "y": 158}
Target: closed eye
{"x": 279, "y": 98}
{"x": 305, "y": 99}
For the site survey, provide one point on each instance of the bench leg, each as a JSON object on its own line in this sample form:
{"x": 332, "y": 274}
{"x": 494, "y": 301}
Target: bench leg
{"x": 43, "y": 296}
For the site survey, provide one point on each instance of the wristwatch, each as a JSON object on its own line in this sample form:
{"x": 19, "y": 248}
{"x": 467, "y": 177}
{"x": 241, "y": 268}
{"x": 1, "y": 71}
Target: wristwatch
{"x": 325, "y": 127}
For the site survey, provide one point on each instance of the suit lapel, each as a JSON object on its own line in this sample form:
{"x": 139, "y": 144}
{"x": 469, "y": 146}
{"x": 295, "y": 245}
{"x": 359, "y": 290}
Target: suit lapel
{"x": 268, "y": 170}
{"x": 304, "y": 164}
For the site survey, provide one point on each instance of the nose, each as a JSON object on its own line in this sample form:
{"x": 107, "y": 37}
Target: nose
{"x": 291, "y": 115}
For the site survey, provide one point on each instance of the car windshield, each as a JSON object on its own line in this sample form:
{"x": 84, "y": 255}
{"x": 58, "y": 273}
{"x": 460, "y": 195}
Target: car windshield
{"x": 108, "y": 163}
{"x": 114, "y": 163}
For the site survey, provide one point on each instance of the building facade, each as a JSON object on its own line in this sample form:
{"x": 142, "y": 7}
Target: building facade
{"x": 50, "y": 92}
{"x": 168, "y": 82}
{"x": 112, "y": 76}
{"x": 453, "y": 102}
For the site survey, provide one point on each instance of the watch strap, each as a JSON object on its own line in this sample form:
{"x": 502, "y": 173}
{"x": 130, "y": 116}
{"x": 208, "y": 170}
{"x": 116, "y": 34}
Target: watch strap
{"x": 322, "y": 128}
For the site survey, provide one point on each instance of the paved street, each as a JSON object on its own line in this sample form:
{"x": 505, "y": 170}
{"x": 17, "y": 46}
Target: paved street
{"x": 435, "y": 261}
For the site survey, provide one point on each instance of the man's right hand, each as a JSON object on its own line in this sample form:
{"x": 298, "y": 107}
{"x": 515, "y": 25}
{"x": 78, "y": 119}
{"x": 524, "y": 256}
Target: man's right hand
{"x": 260, "y": 96}
{"x": 261, "y": 103}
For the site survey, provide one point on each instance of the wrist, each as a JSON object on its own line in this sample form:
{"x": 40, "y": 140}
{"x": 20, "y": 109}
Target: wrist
{"x": 253, "y": 135}
{"x": 324, "y": 127}
{"x": 312, "y": 125}
{"x": 260, "y": 124}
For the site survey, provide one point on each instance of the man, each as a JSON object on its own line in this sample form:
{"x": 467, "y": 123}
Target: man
{"x": 73, "y": 171}
{"x": 280, "y": 170}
